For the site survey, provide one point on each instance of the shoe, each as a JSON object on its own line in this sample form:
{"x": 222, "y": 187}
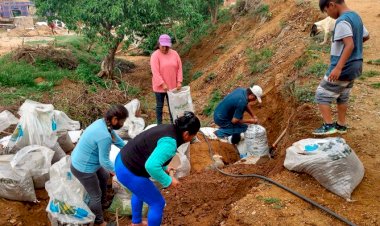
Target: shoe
{"x": 325, "y": 129}
{"x": 340, "y": 129}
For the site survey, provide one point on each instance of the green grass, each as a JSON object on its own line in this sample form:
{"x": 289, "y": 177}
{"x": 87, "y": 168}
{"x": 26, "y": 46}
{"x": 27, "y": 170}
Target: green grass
{"x": 263, "y": 11}
{"x": 369, "y": 74}
{"x": 318, "y": 69}
{"x": 210, "y": 77}
{"x": 11, "y": 96}
{"x": 271, "y": 200}
{"x": 216, "y": 97}
{"x": 375, "y": 62}
{"x": 300, "y": 63}
{"x": 258, "y": 61}
{"x": 186, "y": 67}
{"x": 197, "y": 75}
{"x": 304, "y": 94}
{"x": 317, "y": 48}
{"x": 376, "y": 85}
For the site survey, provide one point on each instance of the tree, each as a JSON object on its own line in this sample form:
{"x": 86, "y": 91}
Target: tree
{"x": 107, "y": 22}
{"x": 213, "y": 7}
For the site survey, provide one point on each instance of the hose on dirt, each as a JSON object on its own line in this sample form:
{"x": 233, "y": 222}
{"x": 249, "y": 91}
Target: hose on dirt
{"x": 278, "y": 185}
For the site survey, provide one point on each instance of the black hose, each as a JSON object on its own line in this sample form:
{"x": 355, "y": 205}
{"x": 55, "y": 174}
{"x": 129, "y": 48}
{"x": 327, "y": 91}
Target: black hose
{"x": 278, "y": 185}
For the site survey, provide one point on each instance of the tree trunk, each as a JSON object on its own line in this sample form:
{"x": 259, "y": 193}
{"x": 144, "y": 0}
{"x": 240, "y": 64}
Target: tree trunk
{"x": 108, "y": 64}
{"x": 214, "y": 14}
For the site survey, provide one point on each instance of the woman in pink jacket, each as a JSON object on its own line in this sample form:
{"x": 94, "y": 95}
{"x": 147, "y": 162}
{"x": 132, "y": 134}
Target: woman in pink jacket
{"x": 166, "y": 68}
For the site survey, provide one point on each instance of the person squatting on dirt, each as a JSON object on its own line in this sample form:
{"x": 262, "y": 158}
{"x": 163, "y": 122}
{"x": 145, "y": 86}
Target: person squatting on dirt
{"x": 228, "y": 115}
{"x": 166, "y": 68}
{"x": 148, "y": 155}
{"x": 346, "y": 64}
{"x": 90, "y": 161}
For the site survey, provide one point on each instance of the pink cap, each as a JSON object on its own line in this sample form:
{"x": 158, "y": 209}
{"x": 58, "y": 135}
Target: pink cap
{"x": 165, "y": 40}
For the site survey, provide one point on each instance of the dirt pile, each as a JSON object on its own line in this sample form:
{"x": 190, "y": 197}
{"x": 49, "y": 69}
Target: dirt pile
{"x": 37, "y": 31}
{"x": 62, "y": 58}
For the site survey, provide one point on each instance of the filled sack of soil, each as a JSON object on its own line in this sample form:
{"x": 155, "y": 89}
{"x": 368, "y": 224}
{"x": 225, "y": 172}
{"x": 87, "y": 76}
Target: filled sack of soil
{"x": 15, "y": 184}
{"x": 330, "y": 161}
{"x": 36, "y": 160}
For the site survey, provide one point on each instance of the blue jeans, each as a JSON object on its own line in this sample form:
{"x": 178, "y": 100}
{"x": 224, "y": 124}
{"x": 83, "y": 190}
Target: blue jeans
{"x": 143, "y": 190}
{"x": 229, "y": 129}
{"x": 160, "y": 99}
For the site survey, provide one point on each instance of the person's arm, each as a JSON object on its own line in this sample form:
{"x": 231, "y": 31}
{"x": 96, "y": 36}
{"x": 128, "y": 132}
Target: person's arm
{"x": 347, "y": 51}
{"x": 118, "y": 141}
{"x": 165, "y": 150}
{"x": 104, "y": 147}
{"x": 238, "y": 115}
{"x": 155, "y": 67}
{"x": 179, "y": 73}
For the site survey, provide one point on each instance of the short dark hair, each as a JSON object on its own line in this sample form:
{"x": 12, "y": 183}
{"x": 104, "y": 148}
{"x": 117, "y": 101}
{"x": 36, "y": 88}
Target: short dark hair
{"x": 188, "y": 122}
{"x": 118, "y": 111}
{"x": 324, "y": 3}
{"x": 249, "y": 92}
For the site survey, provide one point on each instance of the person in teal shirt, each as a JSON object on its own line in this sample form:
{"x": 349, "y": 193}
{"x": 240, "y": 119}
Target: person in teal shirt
{"x": 90, "y": 161}
{"x": 148, "y": 155}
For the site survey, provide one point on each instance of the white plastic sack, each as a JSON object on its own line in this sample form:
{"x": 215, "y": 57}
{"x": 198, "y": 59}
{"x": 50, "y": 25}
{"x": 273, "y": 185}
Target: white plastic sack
{"x": 180, "y": 101}
{"x": 183, "y": 153}
{"x": 133, "y": 125}
{"x": 7, "y": 119}
{"x": 114, "y": 152}
{"x": 75, "y": 135}
{"x": 256, "y": 142}
{"x": 67, "y": 197}
{"x": 330, "y": 161}
{"x": 15, "y": 184}
{"x": 65, "y": 123}
{"x": 36, "y": 126}
{"x": 209, "y": 132}
{"x": 36, "y": 160}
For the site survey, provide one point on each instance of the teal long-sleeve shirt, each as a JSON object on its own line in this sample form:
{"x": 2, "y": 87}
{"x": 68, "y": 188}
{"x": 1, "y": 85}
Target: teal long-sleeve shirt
{"x": 165, "y": 150}
{"x": 93, "y": 148}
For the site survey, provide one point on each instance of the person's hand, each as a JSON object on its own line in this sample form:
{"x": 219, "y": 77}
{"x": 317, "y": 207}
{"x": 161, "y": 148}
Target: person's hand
{"x": 170, "y": 169}
{"x": 165, "y": 87}
{"x": 253, "y": 120}
{"x": 179, "y": 86}
{"x": 334, "y": 75}
{"x": 175, "y": 183}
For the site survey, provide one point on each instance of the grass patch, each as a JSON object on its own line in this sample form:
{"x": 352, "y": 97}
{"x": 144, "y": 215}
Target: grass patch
{"x": 258, "y": 61}
{"x": 375, "y": 62}
{"x": 216, "y": 97}
{"x": 197, "y": 75}
{"x": 274, "y": 202}
{"x": 263, "y": 11}
{"x": 11, "y": 96}
{"x": 376, "y": 85}
{"x": 271, "y": 200}
{"x": 316, "y": 47}
{"x": 300, "y": 63}
{"x": 317, "y": 69}
{"x": 304, "y": 94}
{"x": 369, "y": 74}
{"x": 186, "y": 67}
{"x": 210, "y": 77}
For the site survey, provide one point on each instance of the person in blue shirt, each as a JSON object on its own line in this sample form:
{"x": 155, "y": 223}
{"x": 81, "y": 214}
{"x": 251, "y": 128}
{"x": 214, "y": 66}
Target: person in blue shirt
{"x": 228, "y": 115}
{"x": 148, "y": 155}
{"x": 90, "y": 161}
{"x": 346, "y": 63}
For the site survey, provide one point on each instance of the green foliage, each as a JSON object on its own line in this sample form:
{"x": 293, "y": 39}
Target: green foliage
{"x": 216, "y": 97}
{"x": 197, "y": 75}
{"x": 375, "y": 62}
{"x": 304, "y": 94}
{"x": 376, "y": 85}
{"x": 87, "y": 73}
{"x": 129, "y": 89}
{"x": 317, "y": 69}
{"x": 263, "y": 11}
{"x": 369, "y": 74}
{"x": 258, "y": 61}
{"x": 186, "y": 68}
{"x": 271, "y": 200}
{"x": 300, "y": 63}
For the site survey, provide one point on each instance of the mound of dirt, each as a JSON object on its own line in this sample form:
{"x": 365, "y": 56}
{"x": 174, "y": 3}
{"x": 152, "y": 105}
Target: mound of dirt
{"x": 62, "y": 58}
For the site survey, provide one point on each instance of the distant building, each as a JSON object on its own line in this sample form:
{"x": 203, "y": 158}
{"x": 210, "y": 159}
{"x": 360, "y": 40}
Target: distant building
{"x": 14, "y": 8}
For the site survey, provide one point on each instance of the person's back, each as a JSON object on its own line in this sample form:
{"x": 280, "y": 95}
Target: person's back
{"x": 232, "y": 106}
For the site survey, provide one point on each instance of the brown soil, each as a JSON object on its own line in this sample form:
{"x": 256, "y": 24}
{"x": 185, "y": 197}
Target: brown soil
{"x": 209, "y": 198}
